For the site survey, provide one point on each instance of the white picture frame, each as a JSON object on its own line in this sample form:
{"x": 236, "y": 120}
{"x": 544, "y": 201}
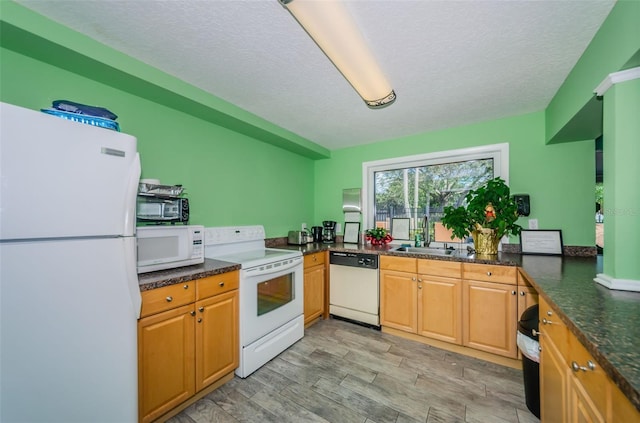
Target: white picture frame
{"x": 541, "y": 241}
{"x": 400, "y": 227}
{"x": 351, "y": 232}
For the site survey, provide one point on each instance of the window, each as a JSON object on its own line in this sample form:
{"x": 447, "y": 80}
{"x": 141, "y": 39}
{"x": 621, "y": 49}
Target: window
{"x": 417, "y": 186}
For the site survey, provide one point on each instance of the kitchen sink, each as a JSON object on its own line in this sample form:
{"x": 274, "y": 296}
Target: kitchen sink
{"x": 423, "y": 250}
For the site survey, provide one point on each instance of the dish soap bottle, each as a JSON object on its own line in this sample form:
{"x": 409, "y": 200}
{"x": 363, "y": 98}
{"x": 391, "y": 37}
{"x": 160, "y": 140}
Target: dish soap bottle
{"x": 418, "y": 241}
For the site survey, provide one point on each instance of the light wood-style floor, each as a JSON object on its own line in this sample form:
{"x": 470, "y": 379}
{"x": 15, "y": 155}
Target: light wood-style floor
{"x": 342, "y": 373}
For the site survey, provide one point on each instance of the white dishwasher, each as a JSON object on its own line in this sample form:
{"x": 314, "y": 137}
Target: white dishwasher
{"x": 354, "y": 294}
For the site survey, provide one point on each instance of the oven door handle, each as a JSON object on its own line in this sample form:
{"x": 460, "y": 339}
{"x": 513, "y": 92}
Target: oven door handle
{"x": 262, "y": 270}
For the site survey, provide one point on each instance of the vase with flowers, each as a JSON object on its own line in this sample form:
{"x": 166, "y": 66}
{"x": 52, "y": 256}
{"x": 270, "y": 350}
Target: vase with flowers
{"x": 378, "y": 236}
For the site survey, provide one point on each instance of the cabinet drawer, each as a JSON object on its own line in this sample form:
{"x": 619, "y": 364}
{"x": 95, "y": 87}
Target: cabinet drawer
{"x": 217, "y": 284}
{"x": 552, "y": 327}
{"x": 449, "y": 269}
{"x": 590, "y": 375}
{"x": 401, "y": 264}
{"x": 490, "y": 273}
{"x": 168, "y": 297}
{"x": 314, "y": 259}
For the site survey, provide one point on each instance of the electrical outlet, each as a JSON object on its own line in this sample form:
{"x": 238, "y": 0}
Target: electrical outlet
{"x": 304, "y": 226}
{"x": 533, "y": 223}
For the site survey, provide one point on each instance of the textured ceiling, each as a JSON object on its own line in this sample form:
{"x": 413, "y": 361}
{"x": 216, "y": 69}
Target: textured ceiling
{"x": 450, "y": 62}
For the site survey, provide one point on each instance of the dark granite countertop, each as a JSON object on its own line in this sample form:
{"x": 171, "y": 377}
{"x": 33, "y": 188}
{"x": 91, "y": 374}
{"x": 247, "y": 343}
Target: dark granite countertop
{"x": 607, "y": 322}
{"x": 210, "y": 267}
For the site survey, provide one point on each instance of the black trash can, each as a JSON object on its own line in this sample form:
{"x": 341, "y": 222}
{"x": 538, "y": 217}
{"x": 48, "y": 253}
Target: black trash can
{"x": 530, "y": 348}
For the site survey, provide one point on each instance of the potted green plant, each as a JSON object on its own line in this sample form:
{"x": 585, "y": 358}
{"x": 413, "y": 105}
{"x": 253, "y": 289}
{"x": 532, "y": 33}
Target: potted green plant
{"x": 490, "y": 213}
{"x": 378, "y": 236}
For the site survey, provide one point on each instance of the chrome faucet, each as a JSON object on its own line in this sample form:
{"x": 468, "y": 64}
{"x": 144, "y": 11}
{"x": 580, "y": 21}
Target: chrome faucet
{"x": 425, "y": 230}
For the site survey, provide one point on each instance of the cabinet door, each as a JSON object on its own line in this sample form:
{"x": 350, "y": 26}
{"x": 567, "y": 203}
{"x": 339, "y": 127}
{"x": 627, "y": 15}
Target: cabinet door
{"x": 217, "y": 343}
{"x": 313, "y": 293}
{"x": 165, "y": 361}
{"x": 553, "y": 382}
{"x": 440, "y": 308}
{"x": 489, "y": 317}
{"x": 589, "y": 387}
{"x": 527, "y": 297}
{"x": 580, "y": 405}
{"x": 399, "y": 300}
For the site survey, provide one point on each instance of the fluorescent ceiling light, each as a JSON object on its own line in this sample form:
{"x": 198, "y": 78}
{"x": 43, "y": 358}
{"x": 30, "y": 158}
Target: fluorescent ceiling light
{"x": 329, "y": 24}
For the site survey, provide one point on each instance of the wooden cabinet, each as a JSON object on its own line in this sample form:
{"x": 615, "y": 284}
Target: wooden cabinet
{"x": 217, "y": 340}
{"x": 166, "y": 352}
{"x": 187, "y": 340}
{"x": 489, "y": 310}
{"x": 589, "y": 389}
{"x": 440, "y": 300}
{"x": 314, "y": 286}
{"x": 553, "y": 367}
{"x": 573, "y": 386}
{"x": 420, "y": 296}
{"x": 399, "y": 300}
{"x": 527, "y": 295}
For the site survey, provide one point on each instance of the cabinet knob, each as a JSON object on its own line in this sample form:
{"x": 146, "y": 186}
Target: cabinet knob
{"x": 169, "y": 299}
{"x": 193, "y": 313}
{"x": 546, "y": 322}
{"x": 576, "y": 367}
{"x": 413, "y": 279}
{"x": 522, "y": 293}
{"x": 221, "y": 284}
{"x": 419, "y": 286}
{"x": 199, "y": 320}
{"x": 549, "y": 313}
{"x": 535, "y": 332}
{"x": 186, "y": 286}
{"x": 201, "y": 309}
{"x": 513, "y": 292}
{"x": 488, "y": 273}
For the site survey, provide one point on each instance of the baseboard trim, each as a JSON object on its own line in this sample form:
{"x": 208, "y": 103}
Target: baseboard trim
{"x": 470, "y": 352}
{"x": 617, "y": 284}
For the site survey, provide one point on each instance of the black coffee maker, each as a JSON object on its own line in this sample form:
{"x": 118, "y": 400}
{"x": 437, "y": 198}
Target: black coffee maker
{"x": 316, "y": 231}
{"x": 328, "y": 231}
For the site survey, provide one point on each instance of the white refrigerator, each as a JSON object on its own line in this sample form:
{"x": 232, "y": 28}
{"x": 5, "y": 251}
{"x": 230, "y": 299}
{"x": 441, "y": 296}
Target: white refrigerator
{"x": 69, "y": 294}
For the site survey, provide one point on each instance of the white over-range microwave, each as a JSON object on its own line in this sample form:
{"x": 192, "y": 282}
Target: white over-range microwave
{"x": 167, "y": 247}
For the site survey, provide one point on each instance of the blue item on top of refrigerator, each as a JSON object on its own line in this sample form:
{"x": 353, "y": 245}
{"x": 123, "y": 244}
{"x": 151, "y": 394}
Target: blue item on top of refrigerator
{"x": 70, "y": 293}
{"x": 83, "y": 109}
{"x": 90, "y": 120}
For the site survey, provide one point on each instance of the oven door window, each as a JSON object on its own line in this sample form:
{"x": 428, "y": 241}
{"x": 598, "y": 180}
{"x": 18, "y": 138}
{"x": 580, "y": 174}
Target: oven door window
{"x": 275, "y": 293}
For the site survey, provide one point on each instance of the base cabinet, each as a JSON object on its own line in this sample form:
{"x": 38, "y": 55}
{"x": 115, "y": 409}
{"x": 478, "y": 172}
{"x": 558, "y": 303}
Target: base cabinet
{"x": 166, "y": 351}
{"x": 314, "y": 286}
{"x": 421, "y": 296}
{"x": 489, "y": 316}
{"x": 216, "y": 338}
{"x": 490, "y": 308}
{"x": 573, "y": 386}
{"x": 184, "y": 348}
{"x": 399, "y": 300}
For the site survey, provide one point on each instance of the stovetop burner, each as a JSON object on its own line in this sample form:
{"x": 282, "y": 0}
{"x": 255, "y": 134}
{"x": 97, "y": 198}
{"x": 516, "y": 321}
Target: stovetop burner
{"x": 244, "y": 245}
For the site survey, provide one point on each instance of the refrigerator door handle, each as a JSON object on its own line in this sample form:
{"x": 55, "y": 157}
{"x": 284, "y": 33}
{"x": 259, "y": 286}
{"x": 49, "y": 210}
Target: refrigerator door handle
{"x": 130, "y": 267}
{"x": 131, "y": 193}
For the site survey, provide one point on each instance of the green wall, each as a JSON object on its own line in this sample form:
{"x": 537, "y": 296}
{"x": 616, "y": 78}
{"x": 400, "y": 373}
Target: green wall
{"x": 231, "y": 179}
{"x": 573, "y": 111}
{"x": 559, "y": 178}
{"x": 621, "y": 194}
{"x": 239, "y": 169}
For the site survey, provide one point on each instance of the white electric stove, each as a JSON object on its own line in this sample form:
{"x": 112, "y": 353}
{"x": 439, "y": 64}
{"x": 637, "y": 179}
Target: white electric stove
{"x": 271, "y": 292}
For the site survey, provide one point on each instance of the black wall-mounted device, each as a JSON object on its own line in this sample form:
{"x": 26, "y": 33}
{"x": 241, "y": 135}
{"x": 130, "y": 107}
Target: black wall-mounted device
{"x": 524, "y": 207}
